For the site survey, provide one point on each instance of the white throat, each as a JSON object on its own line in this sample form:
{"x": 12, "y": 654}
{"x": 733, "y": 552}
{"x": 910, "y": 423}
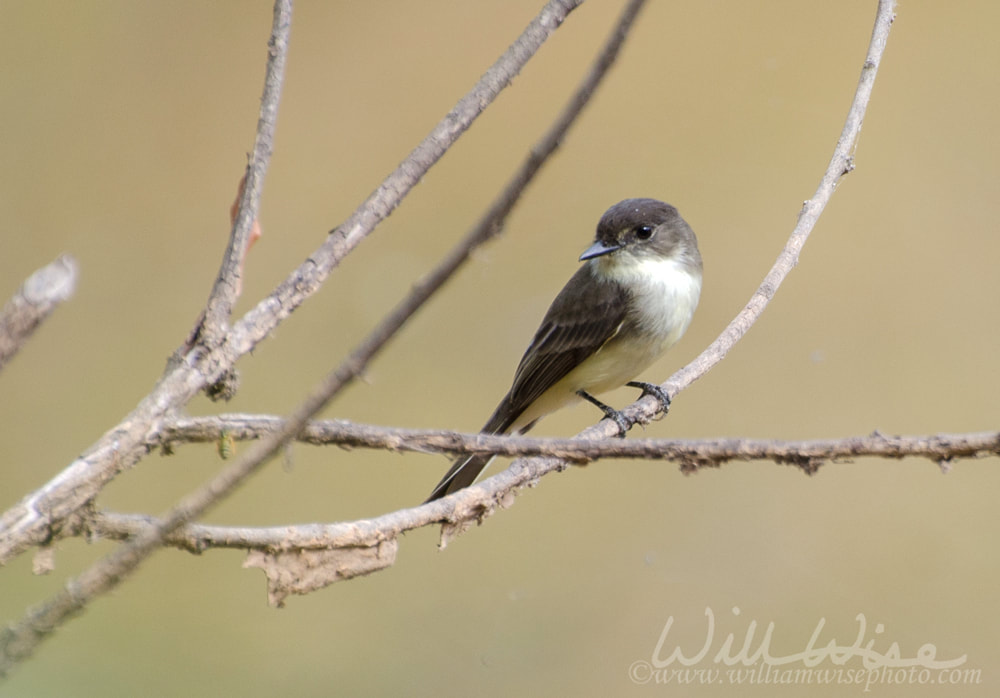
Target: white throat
{"x": 665, "y": 293}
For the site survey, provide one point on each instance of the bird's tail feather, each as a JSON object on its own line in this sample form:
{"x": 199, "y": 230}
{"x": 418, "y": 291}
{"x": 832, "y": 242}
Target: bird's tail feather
{"x": 462, "y": 474}
{"x": 466, "y": 469}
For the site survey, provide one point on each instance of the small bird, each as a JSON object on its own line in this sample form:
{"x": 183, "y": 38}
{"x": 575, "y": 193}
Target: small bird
{"x": 629, "y": 302}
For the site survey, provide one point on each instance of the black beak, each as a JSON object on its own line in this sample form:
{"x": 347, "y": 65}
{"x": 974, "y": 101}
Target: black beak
{"x": 598, "y": 249}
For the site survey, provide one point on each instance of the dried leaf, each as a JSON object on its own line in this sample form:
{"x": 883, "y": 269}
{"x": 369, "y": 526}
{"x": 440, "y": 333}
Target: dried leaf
{"x": 304, "y": 570}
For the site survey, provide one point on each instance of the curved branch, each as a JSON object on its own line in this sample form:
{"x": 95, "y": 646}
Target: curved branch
{"x": 841, "y": 163}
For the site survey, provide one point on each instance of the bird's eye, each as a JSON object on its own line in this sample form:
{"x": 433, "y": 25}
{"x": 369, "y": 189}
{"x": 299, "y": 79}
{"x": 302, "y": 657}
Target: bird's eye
{"x": 644, "y": 232}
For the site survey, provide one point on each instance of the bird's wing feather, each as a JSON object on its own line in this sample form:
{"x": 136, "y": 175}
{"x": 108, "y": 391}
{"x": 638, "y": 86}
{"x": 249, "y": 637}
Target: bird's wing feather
{"x": 576, "y": 325}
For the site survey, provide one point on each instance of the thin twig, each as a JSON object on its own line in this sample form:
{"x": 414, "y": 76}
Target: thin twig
{"x": 492, "y": 222}
{"x": 228, "y": 283}
{"x": 33, "y": 303}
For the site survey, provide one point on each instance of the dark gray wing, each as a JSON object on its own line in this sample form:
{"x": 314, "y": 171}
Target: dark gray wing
{"x": 585, "y": 315}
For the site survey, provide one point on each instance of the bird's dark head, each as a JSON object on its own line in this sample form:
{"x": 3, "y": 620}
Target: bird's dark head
{"x": 644, "y": 229}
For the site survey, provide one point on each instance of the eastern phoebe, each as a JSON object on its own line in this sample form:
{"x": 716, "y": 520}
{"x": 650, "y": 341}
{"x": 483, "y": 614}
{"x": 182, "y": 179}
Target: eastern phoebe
{"x": 631, "y": 300}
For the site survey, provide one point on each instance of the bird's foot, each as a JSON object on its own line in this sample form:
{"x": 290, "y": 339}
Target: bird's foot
{"x": 609, "y": 412}
{"x": 656, "y": 391}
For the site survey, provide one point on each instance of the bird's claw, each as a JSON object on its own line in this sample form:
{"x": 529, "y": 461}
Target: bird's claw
{"x": 656, "y": 391}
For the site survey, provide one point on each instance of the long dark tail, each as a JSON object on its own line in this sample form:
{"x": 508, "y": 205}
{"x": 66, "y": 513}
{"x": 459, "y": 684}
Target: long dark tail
{"x": 462, "y": 474}
{"x": 466, "y": 469}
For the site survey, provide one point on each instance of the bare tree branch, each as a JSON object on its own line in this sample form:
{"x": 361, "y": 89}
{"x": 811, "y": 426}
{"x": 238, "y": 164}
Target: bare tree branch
{"x": 41, "y": 514}
{"x": 34, "y": 301}
{"x": 30, "y": 524}
{"x": 808, "y": 455}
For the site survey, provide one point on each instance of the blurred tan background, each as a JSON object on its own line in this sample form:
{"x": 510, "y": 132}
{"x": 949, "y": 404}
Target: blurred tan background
{"x": 124, "y": 131}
